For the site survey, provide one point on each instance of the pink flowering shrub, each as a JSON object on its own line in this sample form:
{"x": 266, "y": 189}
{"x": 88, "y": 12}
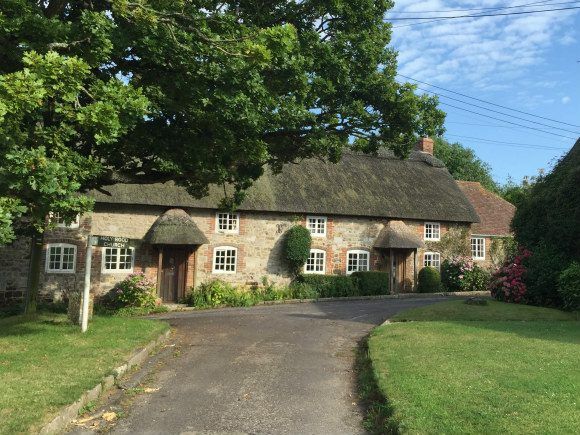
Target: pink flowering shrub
{"x": 136, "y": 291}
{"x": 507, "y": 283}
{"x": 454, "y": 271}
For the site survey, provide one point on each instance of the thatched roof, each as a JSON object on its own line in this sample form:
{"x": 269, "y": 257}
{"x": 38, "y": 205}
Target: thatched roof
{"x": 398, "y": 235}
{"x": 175, "y": 227}
{"x": 359, "y": 185}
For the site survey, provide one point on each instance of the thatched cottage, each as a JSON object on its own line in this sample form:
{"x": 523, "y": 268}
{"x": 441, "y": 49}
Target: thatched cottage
{"x": 364, "y": 213}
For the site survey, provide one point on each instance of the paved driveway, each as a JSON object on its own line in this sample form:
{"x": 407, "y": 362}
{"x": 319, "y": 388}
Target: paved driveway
{"x": 268, "y": 369}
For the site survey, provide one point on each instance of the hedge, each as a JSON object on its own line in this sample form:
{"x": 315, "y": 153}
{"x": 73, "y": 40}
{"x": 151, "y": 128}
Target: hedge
{"x": 372, "y": 283}
{"x": 357, "y": 284}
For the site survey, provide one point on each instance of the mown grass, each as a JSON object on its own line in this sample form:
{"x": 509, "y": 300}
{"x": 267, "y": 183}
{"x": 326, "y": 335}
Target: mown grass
{"x": 500, "y": 368}
{"x": 47, "y": 363}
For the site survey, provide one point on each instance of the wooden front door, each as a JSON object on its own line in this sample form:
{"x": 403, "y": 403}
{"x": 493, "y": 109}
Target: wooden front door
{"x": 173, "y": 273}
{"x": 399, "y": 280}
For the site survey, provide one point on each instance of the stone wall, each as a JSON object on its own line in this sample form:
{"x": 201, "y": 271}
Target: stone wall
{"x": 259, "y": 244}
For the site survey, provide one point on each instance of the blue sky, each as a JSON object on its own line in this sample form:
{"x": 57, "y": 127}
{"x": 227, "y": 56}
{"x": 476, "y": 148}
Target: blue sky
{"x": 525, "y": 62}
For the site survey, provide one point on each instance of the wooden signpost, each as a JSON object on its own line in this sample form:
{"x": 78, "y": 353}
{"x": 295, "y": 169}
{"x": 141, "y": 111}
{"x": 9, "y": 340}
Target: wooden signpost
{"x": 105, "y": 242}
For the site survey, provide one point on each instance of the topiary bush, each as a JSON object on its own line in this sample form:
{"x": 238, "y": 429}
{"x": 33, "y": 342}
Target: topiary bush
{"x": 371, "y": 283}
{"x": 569, "y": 287}
{"x": 331, "y": 286}
{"x": 297, "y": 247}
{"x": 429, "y": 280}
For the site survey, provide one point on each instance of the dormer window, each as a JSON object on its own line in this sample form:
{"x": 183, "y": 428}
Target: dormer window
{"x": 432, "y": 231}
{"x": 227, "y": 223}
{"x": 316, "y": 225}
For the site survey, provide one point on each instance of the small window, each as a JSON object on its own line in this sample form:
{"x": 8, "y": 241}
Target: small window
{"x": 118, "y": 259}
{"x": 357, "y": 261}
{"x": 316, "y": 262}
{"x": 478, "y": 248}
{"x": 56, "y": 218}
{"x": 432, "y": 259}
{"x": 224, "y": 259}
{"x": 228, "y": 223}
{"x": 432, "y": 231}
{"x": 61, "y": 258}
{"x": 316, "y": 225}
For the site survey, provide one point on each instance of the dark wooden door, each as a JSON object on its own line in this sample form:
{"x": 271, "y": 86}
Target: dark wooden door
{"x": 173, "y": 273}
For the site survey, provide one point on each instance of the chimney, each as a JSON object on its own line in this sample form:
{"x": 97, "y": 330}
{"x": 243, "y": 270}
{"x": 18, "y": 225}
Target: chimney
{"x": 425, "y": 144}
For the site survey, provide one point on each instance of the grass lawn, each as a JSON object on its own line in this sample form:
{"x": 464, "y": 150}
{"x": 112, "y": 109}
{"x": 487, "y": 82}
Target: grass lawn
{"x": 47, "y": 363}
{"x": 500, "y": 368}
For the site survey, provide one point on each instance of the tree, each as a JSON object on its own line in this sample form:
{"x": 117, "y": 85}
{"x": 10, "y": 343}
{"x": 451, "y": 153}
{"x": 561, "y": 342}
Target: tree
{"x": 463, "y": 164}
{"x": 517, "y": 193}
{"x": 195, "y": 91}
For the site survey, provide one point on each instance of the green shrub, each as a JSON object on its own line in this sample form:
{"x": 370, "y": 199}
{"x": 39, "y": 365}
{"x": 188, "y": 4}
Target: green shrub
{"x": 210, "y": 294}
{"x": 301, "y": 290}
{"x": 272, "y": 292}
{"x": 543, "y": 269}
{"x": 569, "y": 287}
{"x": 331, "y": 286}
{"x": 134, "y": 291}
{"x": 371, "y": 283}
{"x": 297, "y": 247}
{"x": 429, "y": 280}
{"x": 476, "y": 279}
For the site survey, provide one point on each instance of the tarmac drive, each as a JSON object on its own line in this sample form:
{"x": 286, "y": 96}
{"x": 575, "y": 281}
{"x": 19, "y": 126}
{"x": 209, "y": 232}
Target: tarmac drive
{"x": 269, "y": 369}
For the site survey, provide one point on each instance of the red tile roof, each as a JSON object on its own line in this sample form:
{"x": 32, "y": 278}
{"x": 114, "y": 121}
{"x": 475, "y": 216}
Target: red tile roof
{"x": 495, "y": 213}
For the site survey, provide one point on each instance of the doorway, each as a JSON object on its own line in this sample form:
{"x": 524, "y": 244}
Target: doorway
{"x": 173, "y": 274}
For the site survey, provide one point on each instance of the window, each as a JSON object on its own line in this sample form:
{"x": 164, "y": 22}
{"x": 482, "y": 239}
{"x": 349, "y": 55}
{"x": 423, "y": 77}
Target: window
{"x": 357, "y": 261}
{"x": 60, "y": 223}
{"x": 432, "y": 259}
{"x": 478, "y": 248}
{"x": 61, "y": 258}
{"x": 316, "y": 225}
{"x": 228, "y": 222}
{"x": 224, "y": 259}
{"x": 118, "y": 259}
{"x": 432, "y": 230}
{"x": 316, "y": 261}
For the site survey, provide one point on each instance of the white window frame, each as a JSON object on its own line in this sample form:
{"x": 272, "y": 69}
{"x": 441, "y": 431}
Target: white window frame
{"x": 358, "y": 252}
{"x": 224, "y": 249}
{"x": 316, "y": 272}
{"x": 229, "y": 217}
{"x": 104, "y": 268}
{"x": 60, "y": 269}
{"x": 55, "y": 217}
{"x": 314, "y": 228}
{"x": 431, "y": 260}
{"x": 433, "y": 226}
{"x": 475, "y": 247}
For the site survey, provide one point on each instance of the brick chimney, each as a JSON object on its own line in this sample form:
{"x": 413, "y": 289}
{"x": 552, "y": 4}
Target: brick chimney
{"x": 425, "y": 144}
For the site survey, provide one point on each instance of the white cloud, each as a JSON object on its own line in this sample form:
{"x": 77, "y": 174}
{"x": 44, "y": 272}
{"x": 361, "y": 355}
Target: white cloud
{"x": 566, "y": 99}
{"x": 489, "y": 53}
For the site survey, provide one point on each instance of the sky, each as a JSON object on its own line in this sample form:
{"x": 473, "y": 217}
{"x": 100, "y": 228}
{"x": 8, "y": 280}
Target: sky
{"x": 527, "y": 62}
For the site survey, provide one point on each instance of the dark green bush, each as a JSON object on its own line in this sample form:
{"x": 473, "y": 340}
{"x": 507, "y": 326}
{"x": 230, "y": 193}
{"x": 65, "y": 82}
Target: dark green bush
{"x": 371, "y": 283}
{"x": 429, "y": 280}
{"x": 452, "y": 272}
{"x": 297, "y": 247}
{"x": 331, "y": 286}
{"x": 569, "y": 287}
{"x": 543, "y": 269}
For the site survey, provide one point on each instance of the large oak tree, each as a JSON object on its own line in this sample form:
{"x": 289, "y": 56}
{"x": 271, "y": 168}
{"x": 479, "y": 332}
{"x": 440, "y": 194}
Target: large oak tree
{"x": 195, "y": 91}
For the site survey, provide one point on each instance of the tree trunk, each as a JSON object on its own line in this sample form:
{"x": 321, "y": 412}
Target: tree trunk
{"x": 34, "y": 273}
